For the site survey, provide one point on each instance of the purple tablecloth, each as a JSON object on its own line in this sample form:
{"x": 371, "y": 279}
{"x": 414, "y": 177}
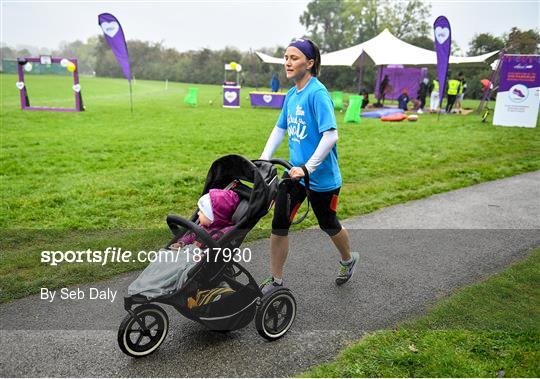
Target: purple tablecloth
{"x": 231, "y": 96}
{"x": 267, "y": 99}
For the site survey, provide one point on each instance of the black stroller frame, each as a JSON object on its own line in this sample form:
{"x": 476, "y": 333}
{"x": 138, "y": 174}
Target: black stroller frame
{"x": 145, "y": 327}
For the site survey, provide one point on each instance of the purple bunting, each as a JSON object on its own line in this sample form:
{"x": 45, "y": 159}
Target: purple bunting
{"x": 442, "y": 47}
{"x": 115, "y": 37}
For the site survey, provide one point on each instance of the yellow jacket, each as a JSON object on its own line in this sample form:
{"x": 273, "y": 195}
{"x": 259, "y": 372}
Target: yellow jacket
{"x": 454, "y": 87}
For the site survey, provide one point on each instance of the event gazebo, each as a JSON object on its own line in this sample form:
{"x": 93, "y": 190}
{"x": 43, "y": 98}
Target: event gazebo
{"x": 386, "y": 49}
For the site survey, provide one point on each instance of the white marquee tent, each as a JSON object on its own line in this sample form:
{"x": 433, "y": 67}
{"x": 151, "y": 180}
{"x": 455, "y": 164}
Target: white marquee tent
{"x": 386, "y": 49}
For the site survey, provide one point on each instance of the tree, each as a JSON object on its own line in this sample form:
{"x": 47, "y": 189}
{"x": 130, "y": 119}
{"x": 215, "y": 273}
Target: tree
{"x": 522, "y": 42}
{"x": 484, "y": 43}
{"x": 7, "y": 52}
{"x": 84, "y": 52}
{"x": 455, "y": 49}
{"x": 421, "y": 41}
{"x": 406, "y": 19}
{"x": 362, "y": 21}
{"x": 337, "y": 24}
{"x": 324, "y": 21}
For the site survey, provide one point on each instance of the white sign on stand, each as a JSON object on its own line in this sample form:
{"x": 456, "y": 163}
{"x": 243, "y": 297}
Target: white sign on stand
{"x": 518, "y": 98}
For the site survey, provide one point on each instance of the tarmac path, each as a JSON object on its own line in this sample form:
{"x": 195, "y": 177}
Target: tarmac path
{"x": 411, "y": 255}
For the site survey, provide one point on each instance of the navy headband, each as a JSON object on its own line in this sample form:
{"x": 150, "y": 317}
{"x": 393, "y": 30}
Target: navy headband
{"x": 305, "y": 47}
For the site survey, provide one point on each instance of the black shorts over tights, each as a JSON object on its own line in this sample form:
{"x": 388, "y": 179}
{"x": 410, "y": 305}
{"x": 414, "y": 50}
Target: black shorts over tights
{"x": 289, "y": 199}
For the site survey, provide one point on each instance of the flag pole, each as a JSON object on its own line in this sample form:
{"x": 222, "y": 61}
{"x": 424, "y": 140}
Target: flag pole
{"x": 443, "y": 86}
{"x": 131, "y": 97}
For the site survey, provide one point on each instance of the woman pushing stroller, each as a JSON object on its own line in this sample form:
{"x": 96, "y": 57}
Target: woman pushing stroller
{"x": 308, "y": 116}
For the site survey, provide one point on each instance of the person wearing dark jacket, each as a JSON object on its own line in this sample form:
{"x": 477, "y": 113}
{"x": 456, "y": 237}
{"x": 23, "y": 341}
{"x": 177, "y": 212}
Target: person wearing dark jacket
{"x": 403, "y": 99}
{"x": 274, "y": 83}
{"x": 422, "y": 93}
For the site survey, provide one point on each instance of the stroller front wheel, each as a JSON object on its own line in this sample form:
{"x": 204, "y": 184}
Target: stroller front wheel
{"x": 276, "y": 314}
{"x": 138, "y": 340}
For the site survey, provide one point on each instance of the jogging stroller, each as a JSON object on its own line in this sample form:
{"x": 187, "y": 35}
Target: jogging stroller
{"x": 145, "y": 327}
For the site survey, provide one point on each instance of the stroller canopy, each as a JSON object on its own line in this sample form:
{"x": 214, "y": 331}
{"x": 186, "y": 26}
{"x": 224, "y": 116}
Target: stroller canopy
{"x": 262, "y": 174}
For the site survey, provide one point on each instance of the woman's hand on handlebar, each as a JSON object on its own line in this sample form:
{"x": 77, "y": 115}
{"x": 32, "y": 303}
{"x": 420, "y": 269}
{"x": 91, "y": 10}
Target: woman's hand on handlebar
{"x": 296, "y": 173}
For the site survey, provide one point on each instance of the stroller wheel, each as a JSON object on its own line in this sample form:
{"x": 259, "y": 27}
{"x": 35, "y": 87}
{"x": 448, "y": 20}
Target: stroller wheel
{"x": 276, "y": 314}
{"x": 132, "y": 339}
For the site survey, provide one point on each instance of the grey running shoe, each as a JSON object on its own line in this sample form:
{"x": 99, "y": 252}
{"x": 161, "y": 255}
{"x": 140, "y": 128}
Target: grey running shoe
{"x": 346, "y": 271}
{"x": 269, "y": 285}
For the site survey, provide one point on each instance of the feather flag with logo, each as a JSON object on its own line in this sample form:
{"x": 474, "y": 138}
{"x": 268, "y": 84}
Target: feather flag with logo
{"x": 115, "y": 38}
{"x": 442, "y": 48}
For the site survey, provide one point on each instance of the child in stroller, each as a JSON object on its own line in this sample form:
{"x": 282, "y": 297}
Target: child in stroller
{"x": 254, "y": 184}
{"x": 169, "y": 271}
{"x": 216, "y": 209}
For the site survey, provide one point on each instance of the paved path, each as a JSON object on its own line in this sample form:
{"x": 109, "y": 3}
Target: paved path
{"x": 412, "y": 255}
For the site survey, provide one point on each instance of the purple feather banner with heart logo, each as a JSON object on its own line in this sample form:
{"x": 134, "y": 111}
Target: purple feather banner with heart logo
{"x": 115, "y": 38}
{"x": 443, "y": 38}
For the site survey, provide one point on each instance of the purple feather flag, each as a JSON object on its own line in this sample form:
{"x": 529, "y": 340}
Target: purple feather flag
{"x": 115, "y": 37}
{"x": 442, "y": 47}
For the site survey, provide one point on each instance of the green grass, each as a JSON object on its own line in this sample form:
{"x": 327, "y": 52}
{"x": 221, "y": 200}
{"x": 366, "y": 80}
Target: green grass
{"x": 485, "y": 330}
{"x": 105, "y": 173}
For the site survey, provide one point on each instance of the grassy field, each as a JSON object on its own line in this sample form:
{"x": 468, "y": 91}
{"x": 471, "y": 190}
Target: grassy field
{"x": 105, "y": 177}
{"x": 491, "y": 329}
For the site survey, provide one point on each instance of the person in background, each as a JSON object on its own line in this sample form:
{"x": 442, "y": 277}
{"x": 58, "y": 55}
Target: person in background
{"x": 434, "y": 100}
{"x": 422, "y": 93}
{"x": 403, "y": 99}
{"x": 383, "y": 90}
{"x": 461, "y": 93}
{"x": 274, "y": 83}
{"x": 365, "y": 98}
{"x": 453, "y": 90}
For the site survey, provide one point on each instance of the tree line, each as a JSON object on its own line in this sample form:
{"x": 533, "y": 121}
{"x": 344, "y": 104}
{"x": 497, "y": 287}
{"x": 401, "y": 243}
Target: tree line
{"x": 332, "y": 24}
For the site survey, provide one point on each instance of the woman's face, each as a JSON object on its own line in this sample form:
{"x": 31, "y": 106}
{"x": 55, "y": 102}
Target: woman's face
{"x": 296, "y": 63}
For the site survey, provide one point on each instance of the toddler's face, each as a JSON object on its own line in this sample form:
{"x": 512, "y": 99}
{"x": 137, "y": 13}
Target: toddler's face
{"x": 203, "y": 220}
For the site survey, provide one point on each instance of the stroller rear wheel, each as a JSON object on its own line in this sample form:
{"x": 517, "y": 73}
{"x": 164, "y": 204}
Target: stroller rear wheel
{"x": 276, "y": 314}
{"x": 138, "y": 340}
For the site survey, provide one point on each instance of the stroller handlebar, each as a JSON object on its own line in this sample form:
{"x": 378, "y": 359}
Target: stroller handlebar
{"x": 281, "y": 162}
{"x": 175, "y": 221}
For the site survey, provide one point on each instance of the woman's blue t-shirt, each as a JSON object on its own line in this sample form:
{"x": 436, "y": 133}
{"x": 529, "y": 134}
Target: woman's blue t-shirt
{"x": 306, "y": 114}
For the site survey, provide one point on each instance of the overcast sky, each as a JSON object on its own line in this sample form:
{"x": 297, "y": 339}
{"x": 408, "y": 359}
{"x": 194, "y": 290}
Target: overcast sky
{"x": 187, "y": 25}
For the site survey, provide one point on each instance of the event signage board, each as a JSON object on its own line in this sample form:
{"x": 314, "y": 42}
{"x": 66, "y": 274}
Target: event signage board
{"x": 518, "y": 97}
{"x": 267, "y": 99}
{"x": 443, "y": 39}
{"x": 231, "y": 96}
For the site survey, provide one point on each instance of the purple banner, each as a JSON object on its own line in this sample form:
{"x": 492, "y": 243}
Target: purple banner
{"x": 231, "y": 96}
{"x": 267, "y": 99}
{"x": 116, "y": 40}
{"x": 519, "y": 69}
{"x": 443, "y": 38}
{"x": 400, "y": 78}
{"x": 518, "y": 97}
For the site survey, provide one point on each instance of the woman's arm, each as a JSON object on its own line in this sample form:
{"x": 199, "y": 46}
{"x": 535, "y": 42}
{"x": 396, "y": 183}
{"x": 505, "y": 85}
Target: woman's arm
{"x": 273, "y": 142}
{"x": 326, "y": 144}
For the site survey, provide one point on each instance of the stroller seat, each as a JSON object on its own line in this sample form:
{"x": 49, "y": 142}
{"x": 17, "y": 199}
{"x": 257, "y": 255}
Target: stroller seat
{"x": 224, "y": 295}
